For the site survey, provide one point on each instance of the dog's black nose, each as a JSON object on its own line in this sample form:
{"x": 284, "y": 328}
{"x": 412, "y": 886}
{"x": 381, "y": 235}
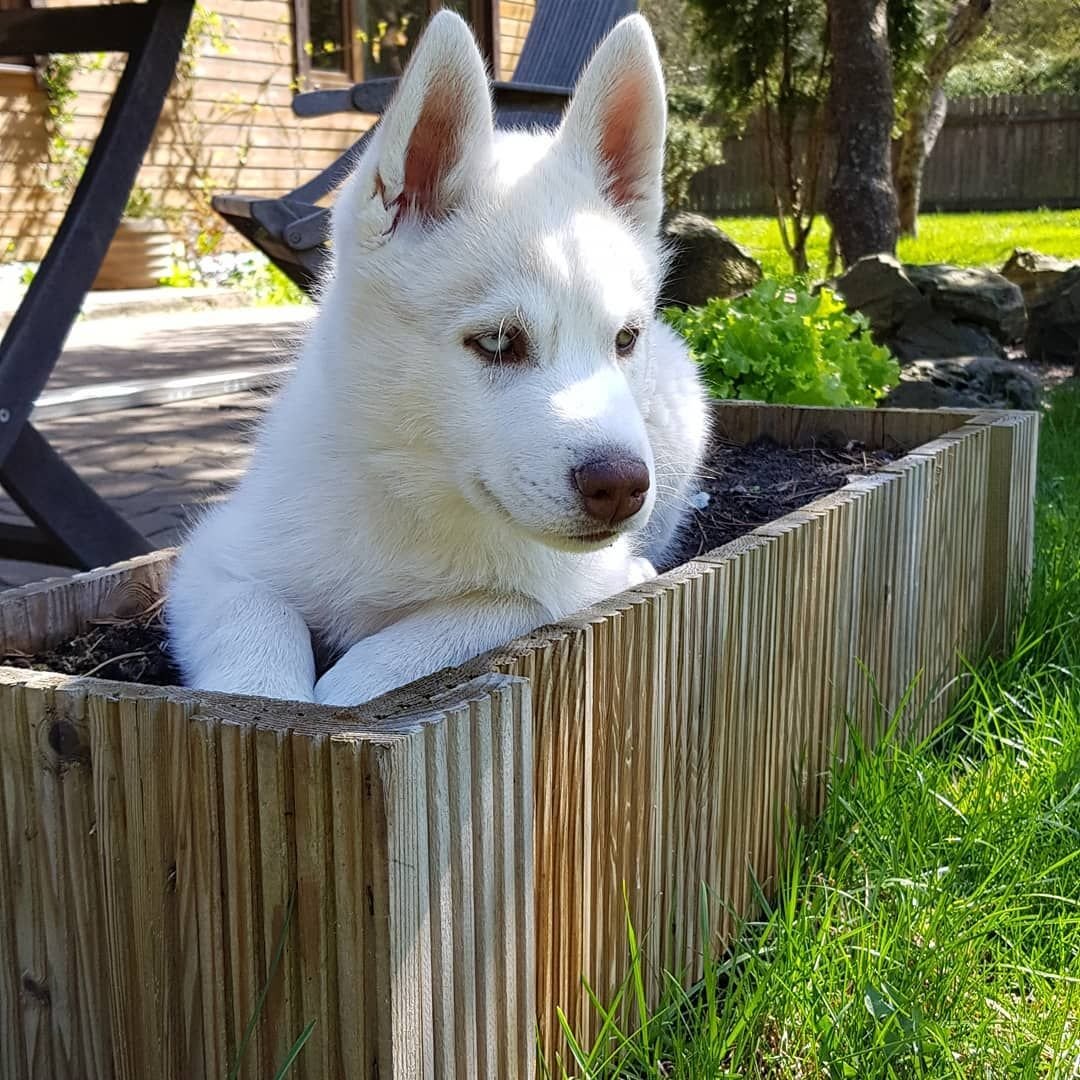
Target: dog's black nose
{"x": 612, "y": 489}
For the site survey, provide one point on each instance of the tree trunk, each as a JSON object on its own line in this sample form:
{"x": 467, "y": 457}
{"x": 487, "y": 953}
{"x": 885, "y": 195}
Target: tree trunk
{"x": 861, "y": 202}
{"x": 922, "y": 127}
{"x": 926, "y": 111}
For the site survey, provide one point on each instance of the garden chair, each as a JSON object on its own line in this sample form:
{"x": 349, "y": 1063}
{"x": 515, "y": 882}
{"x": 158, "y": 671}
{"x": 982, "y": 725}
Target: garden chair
{"x": 72, "y": 524}
{"x": 293, "y": 230}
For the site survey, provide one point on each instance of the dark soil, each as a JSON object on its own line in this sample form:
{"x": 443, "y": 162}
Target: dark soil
{"x": 131, "y": 650}
{"x": 762, "y": 481}
{"x": 747, "y": 486}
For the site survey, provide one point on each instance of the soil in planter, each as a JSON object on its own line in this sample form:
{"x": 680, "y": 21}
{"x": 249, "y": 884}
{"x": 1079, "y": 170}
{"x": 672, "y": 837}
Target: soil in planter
{"x": 750, "y": 485}
{"x": 128, "y": 650}
{"x": 747, "y": 486}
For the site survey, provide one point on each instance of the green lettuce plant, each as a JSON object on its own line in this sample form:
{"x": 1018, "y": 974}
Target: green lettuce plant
{"x": 786, "y": 345}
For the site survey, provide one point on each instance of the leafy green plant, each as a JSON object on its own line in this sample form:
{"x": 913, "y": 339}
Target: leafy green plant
{"x": 180, "y": 276}
{"x": 68, "y": 156}
{"x": 1006, "y": 73}
{"x": 786, "y": 345}
{"x": 141, "y": 204}
{"x": 267, "y": 285}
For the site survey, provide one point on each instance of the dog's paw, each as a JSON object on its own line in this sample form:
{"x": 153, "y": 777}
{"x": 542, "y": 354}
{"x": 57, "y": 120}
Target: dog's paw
{"x": 356, "y": 678}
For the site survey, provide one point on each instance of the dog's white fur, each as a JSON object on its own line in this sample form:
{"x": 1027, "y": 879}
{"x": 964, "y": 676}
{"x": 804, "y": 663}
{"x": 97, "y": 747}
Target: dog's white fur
{"x": 409, "y": 505}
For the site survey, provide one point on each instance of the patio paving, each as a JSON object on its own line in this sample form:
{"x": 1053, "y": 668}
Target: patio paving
{"x": 158, "y": 465}
{"x": 130, "y": 347}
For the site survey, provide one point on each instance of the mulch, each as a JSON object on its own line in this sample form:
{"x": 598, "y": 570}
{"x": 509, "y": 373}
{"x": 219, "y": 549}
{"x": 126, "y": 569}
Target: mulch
{"x": 134, "y": 650}
{"x": 747, "y": 486}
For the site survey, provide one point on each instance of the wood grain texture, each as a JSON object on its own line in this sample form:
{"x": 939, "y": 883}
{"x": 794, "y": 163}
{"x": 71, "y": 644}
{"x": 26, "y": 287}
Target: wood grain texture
{"x": 445, "y": 864}
{"x": 159, "y": 850}
{"x": 1009, "y": 152}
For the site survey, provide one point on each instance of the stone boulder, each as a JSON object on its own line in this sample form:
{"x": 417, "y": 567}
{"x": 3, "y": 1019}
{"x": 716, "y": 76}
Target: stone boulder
{"x": 705, "y": 263}
{"x": 1053, "y": 335}
{"x": 965, "y": 382}
{"x": 934, "y": 311}
{"x": 1034, "y": 272}
{"x": 972, "y": 295}
{"x": 878, "y": 287}
{"x": 933, "y": 333}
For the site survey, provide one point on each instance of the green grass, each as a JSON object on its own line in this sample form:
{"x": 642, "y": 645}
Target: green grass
{"x": 929, "y": 924}
{"x": 964, "y": 239}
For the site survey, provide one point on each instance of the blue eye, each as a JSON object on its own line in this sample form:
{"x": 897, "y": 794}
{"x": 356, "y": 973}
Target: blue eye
{"x": 507, "y": 345}
{"x": 494, "y": 343}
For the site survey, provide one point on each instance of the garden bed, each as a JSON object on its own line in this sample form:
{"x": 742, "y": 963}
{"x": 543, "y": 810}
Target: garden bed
{"x": 745, "y": 487}
{"x": 443, "y": 865}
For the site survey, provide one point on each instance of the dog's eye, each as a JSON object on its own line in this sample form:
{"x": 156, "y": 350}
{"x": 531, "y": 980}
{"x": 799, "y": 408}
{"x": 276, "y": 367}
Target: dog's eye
{"x": 494, "y": 343}
{"x": 625, "y": 340}
{"x": 505, "y": 346}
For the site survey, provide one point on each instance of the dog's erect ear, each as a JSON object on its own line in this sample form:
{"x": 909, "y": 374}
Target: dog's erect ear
{"x": 616, "y": 120}
{"x": 437, "y": 131}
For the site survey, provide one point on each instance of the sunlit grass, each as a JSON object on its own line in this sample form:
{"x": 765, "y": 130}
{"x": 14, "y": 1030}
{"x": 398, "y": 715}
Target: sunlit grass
{"x": 964, "y": 239}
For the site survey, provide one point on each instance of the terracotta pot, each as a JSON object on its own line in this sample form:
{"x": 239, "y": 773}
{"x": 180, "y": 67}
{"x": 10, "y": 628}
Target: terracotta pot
{"x": 139, "y": 256}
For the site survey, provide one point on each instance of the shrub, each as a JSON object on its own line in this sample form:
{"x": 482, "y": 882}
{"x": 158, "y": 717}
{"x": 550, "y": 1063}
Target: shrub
{"x": 1009, "y": 74}
{"x": 691, "y": 144}
{"x": 786, "y": 345}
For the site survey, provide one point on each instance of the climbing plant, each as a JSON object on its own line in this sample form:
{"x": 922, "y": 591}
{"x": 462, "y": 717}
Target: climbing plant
{"x": 67, "y": 153}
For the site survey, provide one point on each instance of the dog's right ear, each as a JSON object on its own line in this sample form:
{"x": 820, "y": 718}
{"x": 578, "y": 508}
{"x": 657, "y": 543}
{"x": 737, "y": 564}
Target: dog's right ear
{"x": 615, "y": 123}
{"x": 437, "y": 132}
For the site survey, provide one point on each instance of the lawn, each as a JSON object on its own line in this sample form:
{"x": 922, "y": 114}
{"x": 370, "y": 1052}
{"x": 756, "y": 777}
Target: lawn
{"x": 929, "y": 924}
{"x": 965, "y": 239}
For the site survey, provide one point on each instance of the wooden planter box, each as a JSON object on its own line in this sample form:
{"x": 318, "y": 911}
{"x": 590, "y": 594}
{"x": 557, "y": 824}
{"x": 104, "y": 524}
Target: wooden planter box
{"x": 454, "y": 856}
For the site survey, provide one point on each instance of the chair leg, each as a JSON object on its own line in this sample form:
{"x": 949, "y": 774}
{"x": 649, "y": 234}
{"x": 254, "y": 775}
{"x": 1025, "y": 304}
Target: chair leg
{"x": 77, "y": 526}
{"x": 39, "y": 328}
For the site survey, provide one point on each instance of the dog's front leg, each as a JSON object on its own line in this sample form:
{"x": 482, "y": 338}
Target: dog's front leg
{"x": 441, "y": 634}
{"x": 238, "y": 638}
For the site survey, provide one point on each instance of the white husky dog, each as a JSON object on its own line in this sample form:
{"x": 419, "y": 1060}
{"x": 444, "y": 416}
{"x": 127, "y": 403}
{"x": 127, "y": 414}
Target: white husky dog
{"x": 487, "y": 428}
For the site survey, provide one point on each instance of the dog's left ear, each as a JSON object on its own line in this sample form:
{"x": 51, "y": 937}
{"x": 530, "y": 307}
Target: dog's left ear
{"x": 616, "y": 121}
{"x": 436, "y": 134}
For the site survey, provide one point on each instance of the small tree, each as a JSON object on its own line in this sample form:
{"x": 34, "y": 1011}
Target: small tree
{"x": 930, "y": 40}
{"x": 693, "y": 143}
{"x": 772, "y": 57}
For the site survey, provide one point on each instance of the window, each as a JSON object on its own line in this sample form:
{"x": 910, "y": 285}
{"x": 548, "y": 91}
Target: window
{"x": 345, "y": 41}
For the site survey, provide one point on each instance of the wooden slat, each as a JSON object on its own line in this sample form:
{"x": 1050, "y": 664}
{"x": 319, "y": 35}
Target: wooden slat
{"x": 1012, "y": 152}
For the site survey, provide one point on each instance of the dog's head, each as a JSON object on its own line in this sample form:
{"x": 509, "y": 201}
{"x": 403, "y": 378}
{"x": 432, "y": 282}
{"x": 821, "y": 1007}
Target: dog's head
{"x": 500, "y": 290}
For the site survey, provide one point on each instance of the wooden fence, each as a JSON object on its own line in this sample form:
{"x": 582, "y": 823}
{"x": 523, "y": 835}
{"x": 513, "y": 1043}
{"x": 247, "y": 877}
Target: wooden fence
{"x": 445, "y": 864}
{"x": 1014, "y": 152}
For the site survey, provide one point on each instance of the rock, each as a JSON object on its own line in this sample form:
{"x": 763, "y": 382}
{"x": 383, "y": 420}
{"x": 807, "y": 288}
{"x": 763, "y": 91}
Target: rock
{"x": 1054, "y": 322}
{"x": 972, "y": 295}
{"x": 1033, "y": 272}
{"x": 705, "y": 263}
{"x": 934, "y": 311}
{"x": 877, "y": 286}
{"x": 936, "y": 335}
{"x": 965, "y": 382}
